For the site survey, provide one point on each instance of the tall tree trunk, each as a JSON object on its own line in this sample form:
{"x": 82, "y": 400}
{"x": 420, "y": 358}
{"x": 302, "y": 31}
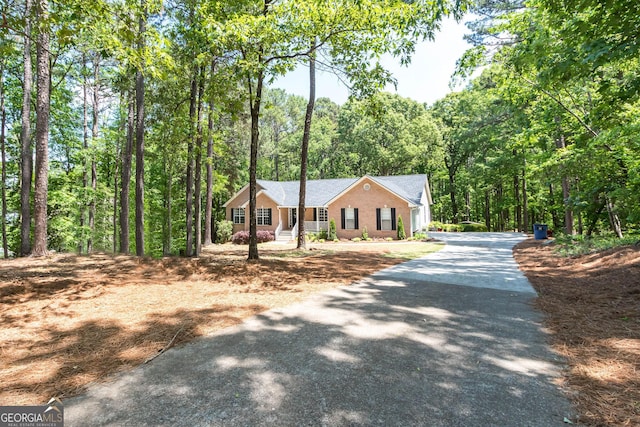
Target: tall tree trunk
{"x": 452, "y": 195}
{"x": 487, "y": 209}
{"x": 26, "y": 155}
{"x": 304, "y": 152}
{"x": 116, "y": 171}
{"x": 43, "y": 101}
{"x": 516, "y": 193}
{"x": 140, "y": 137}
{"x": 554, "y": 212}
{"x": 467, "y": 205}
{"x": 566, "y": 192}
{"x": 198, "y": 178}
{"x": 85, "y": 151}
{"x": 190, "y": 162}
{"x": 525, "y": 201}
{"x": 125, "y": 178}
{"x": 3, "y": 185}
{"x": 209, "y": 191}
{"x": 166, "y": 242}
{"x": 614, "y": 220}
{"x": 94, "y": 138}
{"x": 255, "y": 101}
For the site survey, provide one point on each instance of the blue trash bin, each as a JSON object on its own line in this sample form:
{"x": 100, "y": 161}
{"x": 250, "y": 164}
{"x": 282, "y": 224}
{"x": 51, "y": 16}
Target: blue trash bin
{"x": 540, "y": 231}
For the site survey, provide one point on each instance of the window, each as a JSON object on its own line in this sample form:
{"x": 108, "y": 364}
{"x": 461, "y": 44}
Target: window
{"x": 263, "y": 216}
{"x": 386, "y": 218}
{"x": 323, "y": 216}
{"x": 349, "y": 218}
{"x": 238, "y": 215}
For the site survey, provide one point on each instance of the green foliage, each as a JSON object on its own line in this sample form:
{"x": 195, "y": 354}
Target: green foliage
{"x": 567, "y": 245}
{"x": 400, "y": 226}
{"x": 365, "y": 234}
{"x": 224, "y": 231}
{"x": 473, "y": 227}
{"x": 332, "y": 230}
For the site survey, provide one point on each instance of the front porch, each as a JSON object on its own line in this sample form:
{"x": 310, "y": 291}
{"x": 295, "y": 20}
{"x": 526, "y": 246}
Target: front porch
{"x": 315, "y": 220}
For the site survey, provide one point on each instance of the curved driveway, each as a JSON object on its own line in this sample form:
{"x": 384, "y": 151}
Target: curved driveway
{"x": 446, "y": 340}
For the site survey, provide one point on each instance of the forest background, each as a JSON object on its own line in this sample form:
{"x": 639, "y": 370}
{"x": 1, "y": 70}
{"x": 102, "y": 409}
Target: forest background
{"x": 140, "y": 119}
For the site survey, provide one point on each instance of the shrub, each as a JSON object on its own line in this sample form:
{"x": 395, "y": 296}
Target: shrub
{"x": 435, "y": 226}
{"x": 242, "y": 237}
{"x": 451, "y": 227}
{"x": 322, "y": 235}
{"x": 356, "y": 239}
{"x": 401, "y": 233}
{"x": 475, "y": 226}
{"x": 321, "y": 240}
{"x": 420, "y": 236}
{"x": 389, "y": 239}
{"x": 369, "y": 239}
{"x": 365, "y": 234}
{"x": 265, "y": 236}
{"x": 332, "y": 230}
{"x": 224, "y": 231}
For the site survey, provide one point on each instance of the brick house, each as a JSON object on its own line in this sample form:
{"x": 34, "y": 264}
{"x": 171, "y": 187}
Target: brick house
{"x": 354, "y": 203}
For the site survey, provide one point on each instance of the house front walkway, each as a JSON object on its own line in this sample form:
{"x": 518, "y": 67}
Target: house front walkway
{"x": 447, "y": 340}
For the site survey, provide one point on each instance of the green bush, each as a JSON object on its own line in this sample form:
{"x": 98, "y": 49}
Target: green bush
{"x": 332, "y": 230}
{"x": 389, "y": 239}
{"x": 323, "y": 235}
{"x": 356, "y": 239}
{"x": 224, "y": 231}
{"x": 477, "y": 227}
{"x": 401, "y": 233}
{"x": 451, "y": 227}
{"x": 365, "y": 234}
{"x": 420, "y": 236}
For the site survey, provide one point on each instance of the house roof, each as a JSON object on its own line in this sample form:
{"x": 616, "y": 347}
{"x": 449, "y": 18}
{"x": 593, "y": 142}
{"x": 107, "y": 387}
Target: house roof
{"x": 321, "y": 192}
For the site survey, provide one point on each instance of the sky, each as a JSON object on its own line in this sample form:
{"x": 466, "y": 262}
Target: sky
{"x": 426, "y": 79}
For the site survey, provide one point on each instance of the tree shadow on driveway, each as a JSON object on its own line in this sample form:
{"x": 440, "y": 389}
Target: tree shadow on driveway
{"x": 380, "y": 352}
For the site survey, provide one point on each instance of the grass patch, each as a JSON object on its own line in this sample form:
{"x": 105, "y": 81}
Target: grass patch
{"x": 566, "y": 245}
{"x": 415, "y": 251}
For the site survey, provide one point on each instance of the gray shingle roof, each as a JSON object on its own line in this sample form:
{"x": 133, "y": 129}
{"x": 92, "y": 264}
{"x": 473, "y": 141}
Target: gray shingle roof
{"x": 321, "y": 191}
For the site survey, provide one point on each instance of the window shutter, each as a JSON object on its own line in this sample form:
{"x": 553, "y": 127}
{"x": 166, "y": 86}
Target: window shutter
{"x": 355, "y": 215}
{"x": 269, "y": 216}
{"x": 342, "y": 217}
{"x": 393, "y": 218}
{"x": 232, "y": 216}
{"x": 315, "y": 214}
{"x": 378, "y": 220}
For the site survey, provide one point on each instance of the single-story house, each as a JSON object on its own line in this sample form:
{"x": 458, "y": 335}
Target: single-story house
{"x": 374, "y": 202}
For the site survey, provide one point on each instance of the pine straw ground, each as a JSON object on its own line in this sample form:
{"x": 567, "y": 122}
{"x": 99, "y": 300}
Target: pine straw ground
{"x": 68, "y": 320}
{"x": 592, "y": 308}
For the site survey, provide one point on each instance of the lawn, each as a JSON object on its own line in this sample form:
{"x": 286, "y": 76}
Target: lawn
{"x": 69, "y": 320}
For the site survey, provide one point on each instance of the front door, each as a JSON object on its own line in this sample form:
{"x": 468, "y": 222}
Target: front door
{"x": 292, "y": 217}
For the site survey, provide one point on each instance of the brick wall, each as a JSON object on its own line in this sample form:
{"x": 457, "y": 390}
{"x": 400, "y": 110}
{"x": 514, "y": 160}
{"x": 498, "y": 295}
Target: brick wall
{"x": 367, "y": 201}
{"x": 262, "y": 201}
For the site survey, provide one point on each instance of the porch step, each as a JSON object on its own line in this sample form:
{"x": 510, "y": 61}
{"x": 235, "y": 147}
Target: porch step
{"x": 285, "y": 236}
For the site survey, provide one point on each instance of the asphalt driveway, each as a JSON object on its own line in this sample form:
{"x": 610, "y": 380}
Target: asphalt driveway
{"x": 447, "y": 340}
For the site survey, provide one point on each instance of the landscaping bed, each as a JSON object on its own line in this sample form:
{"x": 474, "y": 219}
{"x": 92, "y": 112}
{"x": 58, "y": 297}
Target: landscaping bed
{"x": 592, "y": 307}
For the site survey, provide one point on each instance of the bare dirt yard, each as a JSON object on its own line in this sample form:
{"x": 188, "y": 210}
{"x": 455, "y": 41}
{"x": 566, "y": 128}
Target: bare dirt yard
{"x": 592, "y": 308}
{"x": 68, "y": 320}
